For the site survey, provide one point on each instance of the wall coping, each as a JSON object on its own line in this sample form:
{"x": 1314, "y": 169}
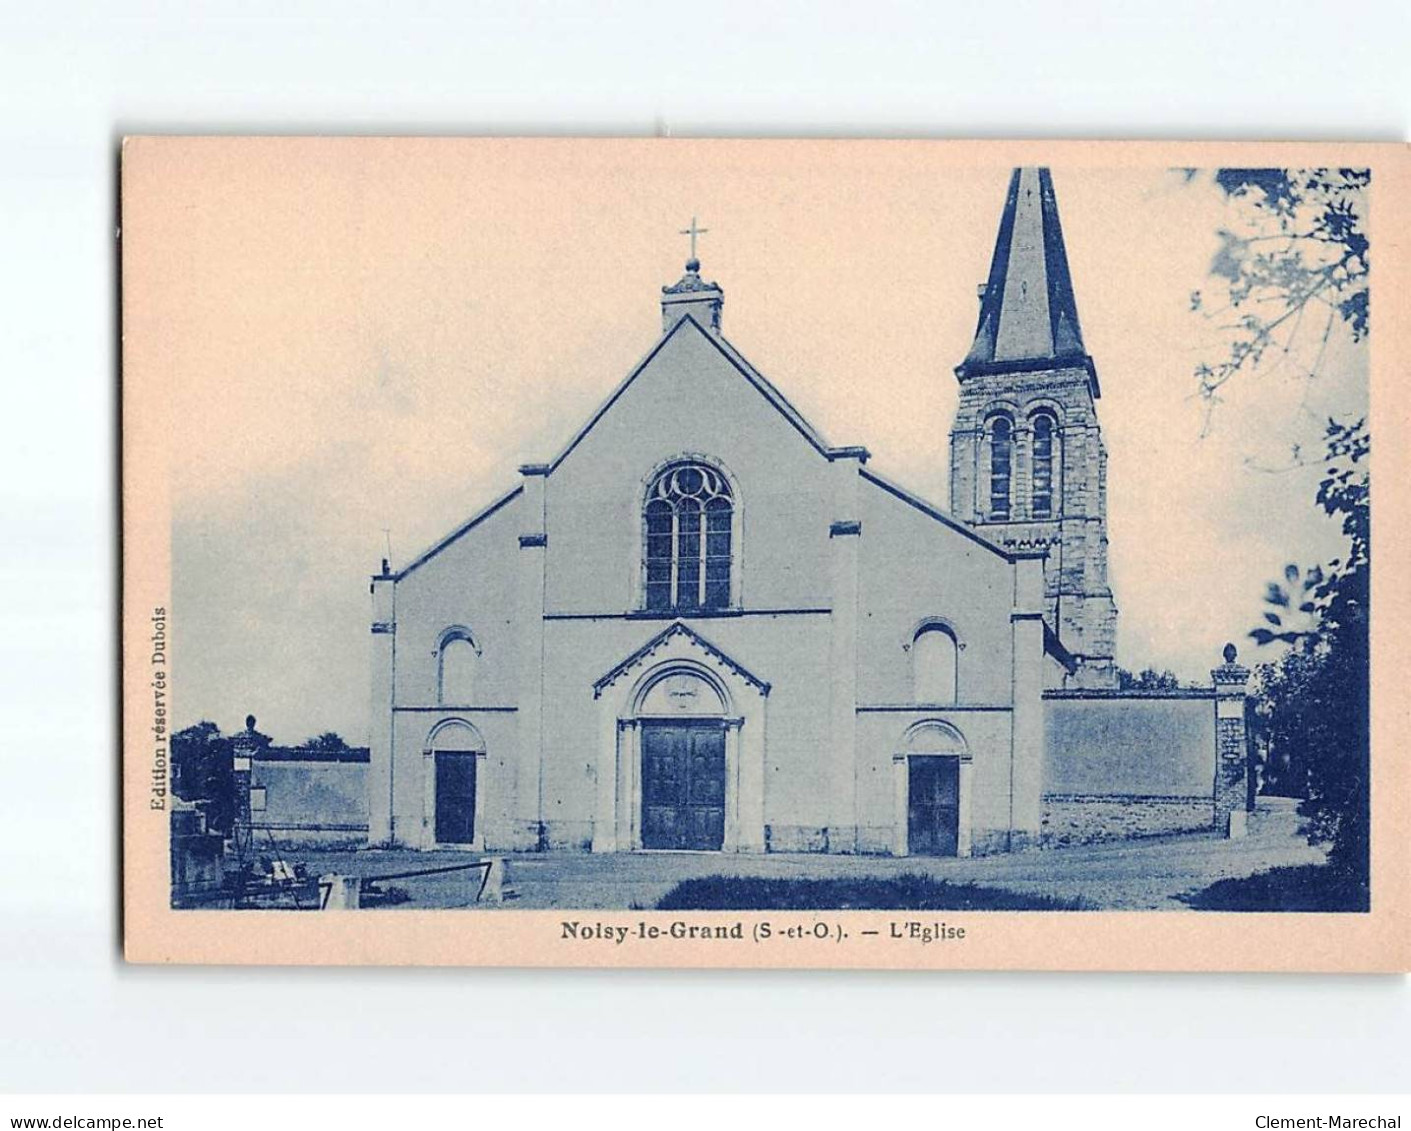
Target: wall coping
{"x": 351, "y": 755}
{"x": 1113, "y": 693}
{"x": 1130, "y": 798}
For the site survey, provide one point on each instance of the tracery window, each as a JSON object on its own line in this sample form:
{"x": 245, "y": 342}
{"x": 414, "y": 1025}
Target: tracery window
{"x": 1001, "y": 465}
{"x": 687, "y": 523}
{"x": 1044, "y": 437}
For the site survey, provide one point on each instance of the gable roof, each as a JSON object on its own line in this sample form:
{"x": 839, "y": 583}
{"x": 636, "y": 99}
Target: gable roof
{"x": 935, "y": 512}
{"x": 677, "y": 628}
{"x": 777, "y": 400}
{"x": 465, "y": 527}
{"x": 733, "y": 356}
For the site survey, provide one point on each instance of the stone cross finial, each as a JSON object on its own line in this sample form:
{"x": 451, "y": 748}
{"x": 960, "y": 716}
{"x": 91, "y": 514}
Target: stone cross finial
{"x": 693, "y": 232}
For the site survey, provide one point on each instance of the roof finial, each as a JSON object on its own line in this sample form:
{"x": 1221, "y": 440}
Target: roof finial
{"x": 693, "y": 264}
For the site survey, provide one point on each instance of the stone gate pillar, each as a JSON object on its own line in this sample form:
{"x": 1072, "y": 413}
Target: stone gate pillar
{"x": 1231, "y": 799}
{"x": 245, "y": 748}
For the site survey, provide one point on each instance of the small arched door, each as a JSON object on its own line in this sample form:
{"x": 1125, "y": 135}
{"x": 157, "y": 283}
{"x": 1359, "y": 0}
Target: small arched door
{"x": 455, "y": 749}
{"x": 933, "y": 806}
{"x": 933, "y": 756}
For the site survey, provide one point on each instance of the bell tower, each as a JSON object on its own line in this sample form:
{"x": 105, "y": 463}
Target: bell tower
{"x": 1027, "y": 461}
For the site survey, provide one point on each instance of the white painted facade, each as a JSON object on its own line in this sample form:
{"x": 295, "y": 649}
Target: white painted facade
{"x": 808, "y": 669}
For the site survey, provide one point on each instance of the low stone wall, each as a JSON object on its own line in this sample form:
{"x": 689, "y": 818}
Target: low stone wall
{"x": 306, "y": 835}
{"x": 1078, "y": 818}
{"x": 304, "y": 802}
{"x": 1129, "y": 743}
{"x": 1123, "y": 764}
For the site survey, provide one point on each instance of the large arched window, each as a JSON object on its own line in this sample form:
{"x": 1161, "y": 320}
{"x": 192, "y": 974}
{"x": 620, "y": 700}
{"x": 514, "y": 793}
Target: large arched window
{"x": 1001, "y": 465}
{"x": 934, "y": 656}
{"x": 456, "y": 656}
{"x": 1045, "y": 440}
{"x": 687, "y": 522}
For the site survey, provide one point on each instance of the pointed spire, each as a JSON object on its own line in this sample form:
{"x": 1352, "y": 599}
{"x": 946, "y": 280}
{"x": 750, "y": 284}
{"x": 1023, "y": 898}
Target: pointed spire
{"x": 1028, "y": 316}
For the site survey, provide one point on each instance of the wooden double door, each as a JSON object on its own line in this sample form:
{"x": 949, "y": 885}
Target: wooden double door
{"x": 933, "y": 806}
{"x": 683, "y": 785}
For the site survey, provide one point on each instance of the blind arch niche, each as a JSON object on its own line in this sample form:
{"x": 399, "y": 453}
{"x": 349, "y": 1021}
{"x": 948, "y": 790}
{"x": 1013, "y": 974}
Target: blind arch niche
{"x": 935, "y": 664}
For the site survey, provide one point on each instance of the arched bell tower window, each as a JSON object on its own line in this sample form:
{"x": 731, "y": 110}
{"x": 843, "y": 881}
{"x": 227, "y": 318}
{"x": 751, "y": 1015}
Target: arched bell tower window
{"x": 1001, "y": 465}
{"x": 1045, "y": 439}
{"x": 688, "y": 527}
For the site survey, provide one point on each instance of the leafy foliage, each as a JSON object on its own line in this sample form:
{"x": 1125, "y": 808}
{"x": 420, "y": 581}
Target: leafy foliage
{"x": 203, "y": 772}
{"x": 1300, "y": 260}
{"x": 1148, "y": 679}
{"x": 1312, "y": 712}
{"x": 328, "y": 740}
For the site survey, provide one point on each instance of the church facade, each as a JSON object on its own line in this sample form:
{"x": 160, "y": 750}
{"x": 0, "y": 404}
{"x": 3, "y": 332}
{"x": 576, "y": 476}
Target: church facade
{"x": 702, "y": 626}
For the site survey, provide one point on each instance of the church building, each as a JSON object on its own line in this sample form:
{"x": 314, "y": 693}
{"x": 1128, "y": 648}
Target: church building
{"x": 703, "y": 626}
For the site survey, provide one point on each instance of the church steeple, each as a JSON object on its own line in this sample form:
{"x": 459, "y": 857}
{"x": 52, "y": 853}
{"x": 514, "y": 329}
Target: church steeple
{"x": 1028, "y": 315}
{"x": 1027, "y": 460}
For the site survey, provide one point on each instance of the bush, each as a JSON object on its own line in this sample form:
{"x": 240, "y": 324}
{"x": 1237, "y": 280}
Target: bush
{"x": 1312, "y": 887}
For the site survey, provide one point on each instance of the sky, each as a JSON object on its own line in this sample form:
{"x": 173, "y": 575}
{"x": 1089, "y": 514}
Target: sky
{"x": 366, "y": 336}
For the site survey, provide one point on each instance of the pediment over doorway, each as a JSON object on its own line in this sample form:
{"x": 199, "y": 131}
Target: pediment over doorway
{"x": 678, "y": 641}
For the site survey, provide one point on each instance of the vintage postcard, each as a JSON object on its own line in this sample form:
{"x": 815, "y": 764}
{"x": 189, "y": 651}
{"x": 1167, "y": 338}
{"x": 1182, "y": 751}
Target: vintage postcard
{"x": 764, "y": 553}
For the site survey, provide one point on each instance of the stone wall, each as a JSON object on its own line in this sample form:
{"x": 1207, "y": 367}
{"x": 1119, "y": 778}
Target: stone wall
{"x": 311, "y": 802}
{"x": 1077, "y": 818}
{"x": 1121, "y": 764}
{"x": 1133, "y": 744}
{"x": 1127, "y": 764}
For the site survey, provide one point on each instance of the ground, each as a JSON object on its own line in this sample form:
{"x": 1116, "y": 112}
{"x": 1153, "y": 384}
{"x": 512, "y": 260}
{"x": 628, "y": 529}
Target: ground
{"x": 1141, "y": 875}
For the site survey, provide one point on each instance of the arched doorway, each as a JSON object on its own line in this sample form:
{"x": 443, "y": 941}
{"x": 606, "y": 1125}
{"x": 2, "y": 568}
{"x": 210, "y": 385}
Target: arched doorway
{"x": 677, "y": 682}
{"x": 932, "y": 791}
{"x": 682, "y": 719}
{"x": 455, "y": 801}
